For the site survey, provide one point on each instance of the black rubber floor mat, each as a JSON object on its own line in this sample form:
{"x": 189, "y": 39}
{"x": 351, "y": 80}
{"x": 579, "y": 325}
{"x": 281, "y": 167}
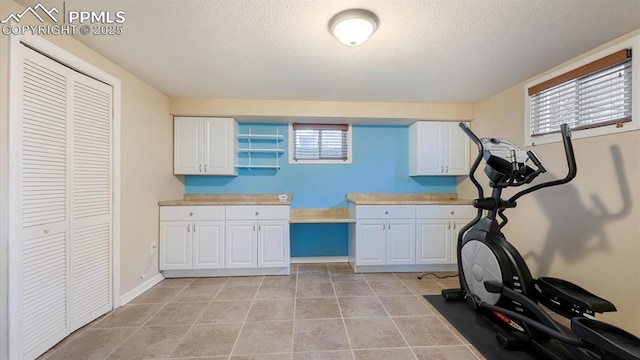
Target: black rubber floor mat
{"x": 479, "y": 331}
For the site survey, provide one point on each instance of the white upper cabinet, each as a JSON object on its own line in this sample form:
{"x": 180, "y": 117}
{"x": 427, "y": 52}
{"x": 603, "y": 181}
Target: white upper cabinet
{"x": 438, "y": 148}
{"x": 204, "y": 146}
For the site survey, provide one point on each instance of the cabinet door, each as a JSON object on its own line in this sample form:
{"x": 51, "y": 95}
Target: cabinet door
{"x": 456, "y": 150}
{"x": 273, "y": 243}
{"x": 433, "y": 241}
{"x": 401, "y": 242}
{"x": 456, "y": 226}
{"x": 428, "y": 149}
{"x": 175, "y": 245}
{"x": 187, "y": 146}
{"x": 370, "y": 242}
{"x": 240, "y": 244}
{"x": 208, "y": 244}
{"x": 218, "y": 146}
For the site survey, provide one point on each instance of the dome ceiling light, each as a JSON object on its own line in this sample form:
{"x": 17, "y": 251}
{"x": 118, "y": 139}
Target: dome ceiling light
{"x": 354, "y": 26}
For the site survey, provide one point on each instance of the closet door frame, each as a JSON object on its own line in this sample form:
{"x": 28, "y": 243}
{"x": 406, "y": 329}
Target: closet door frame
{"x": 9, "y": 175}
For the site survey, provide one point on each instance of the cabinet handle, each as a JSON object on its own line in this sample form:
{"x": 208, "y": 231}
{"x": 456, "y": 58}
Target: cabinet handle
{"x": 446, "y": 168}
{"x": 188, "y": 227}
{"x": 259, "y": 227}
{"x": 254, "y": 226}
{"x": 194, "y": 227}
{"x": 257, "y": 213}
{"x": 205, "y": 167}
{"x": 454, "y": 225}
{"x": 448, "y": 225}
{"x": 442, "y": 168}
{"x": 200, "y": 168}
{"x": 191, "y": 213}
{"x": 46, "y": 231}
{"x": 388, "y": 226}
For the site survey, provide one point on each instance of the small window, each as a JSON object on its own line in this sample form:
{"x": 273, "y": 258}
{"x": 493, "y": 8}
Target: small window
{"x": 594, "y": 99}
{"x": 320, "y": 143}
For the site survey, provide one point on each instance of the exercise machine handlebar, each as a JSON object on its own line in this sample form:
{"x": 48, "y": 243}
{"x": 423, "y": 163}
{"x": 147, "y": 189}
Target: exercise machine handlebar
{"x": 571, "y": 164}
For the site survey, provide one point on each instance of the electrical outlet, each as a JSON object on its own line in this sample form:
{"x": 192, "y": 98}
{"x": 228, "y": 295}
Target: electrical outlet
{"x": 154, "y": 247}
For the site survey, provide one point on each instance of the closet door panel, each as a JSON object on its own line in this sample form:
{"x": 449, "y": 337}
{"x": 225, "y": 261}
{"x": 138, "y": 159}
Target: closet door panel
{"x": 39, "y": 258}
{"x": 43, "y": 150}
{"x": 90, "y": 190}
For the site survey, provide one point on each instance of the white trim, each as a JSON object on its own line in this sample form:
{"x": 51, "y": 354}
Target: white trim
{"x": 138, "y": 290}
{"x": 403, "y": 268}
{"x": 634, "y": 44}
{"x": 80, "y": 65}
{"x": 319, "y": 259}
{"x": 226, "y": 272}
{"x": 323, "y": 161}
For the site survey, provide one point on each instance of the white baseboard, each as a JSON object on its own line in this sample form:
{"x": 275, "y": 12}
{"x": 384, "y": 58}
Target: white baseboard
{"x": 125, "y": 298}
{"x": 319, "y": 259}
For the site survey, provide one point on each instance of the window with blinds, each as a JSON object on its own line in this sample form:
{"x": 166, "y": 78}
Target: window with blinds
{"x": 594, "y": 95}
{"x": 320, "y": 142}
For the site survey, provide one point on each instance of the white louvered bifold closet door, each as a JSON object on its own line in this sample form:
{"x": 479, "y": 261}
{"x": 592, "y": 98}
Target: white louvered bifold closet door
{"x": 61, "y": 257}
{"x": 42, "y": 246}
{"x": 90, "y": 200}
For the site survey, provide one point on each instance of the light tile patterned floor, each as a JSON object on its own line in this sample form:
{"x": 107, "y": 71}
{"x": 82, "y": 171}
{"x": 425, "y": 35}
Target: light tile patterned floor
{"x": 319, "y": 312}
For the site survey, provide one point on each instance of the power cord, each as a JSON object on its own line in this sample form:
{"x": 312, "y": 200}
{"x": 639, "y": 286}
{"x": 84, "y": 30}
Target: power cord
{"x": 437, "y": 276}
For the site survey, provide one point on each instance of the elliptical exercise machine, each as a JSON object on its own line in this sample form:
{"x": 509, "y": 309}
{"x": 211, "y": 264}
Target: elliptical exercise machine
{"x": 496, "y": 281}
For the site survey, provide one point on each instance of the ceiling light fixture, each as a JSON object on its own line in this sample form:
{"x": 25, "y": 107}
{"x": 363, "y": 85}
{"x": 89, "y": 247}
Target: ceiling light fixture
{"x": 354, "y": 26}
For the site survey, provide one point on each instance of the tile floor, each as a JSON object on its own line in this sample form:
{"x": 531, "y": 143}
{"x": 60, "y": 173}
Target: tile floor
{"x": 320, "y": 311}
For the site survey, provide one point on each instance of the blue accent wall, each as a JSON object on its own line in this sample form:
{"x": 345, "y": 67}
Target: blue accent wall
{"x": 380, "y": 165}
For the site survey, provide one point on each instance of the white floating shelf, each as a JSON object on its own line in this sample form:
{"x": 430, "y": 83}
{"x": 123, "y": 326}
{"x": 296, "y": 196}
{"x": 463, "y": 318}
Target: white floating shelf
{"x": 265, "y": 151}
{"x": 260, "y": 137}
{"x": 258, "y": 166}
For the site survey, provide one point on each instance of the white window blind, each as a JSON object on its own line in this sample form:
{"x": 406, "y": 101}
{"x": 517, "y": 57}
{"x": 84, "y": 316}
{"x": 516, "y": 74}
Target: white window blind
{"x": 320, "y": 142}
{"x": 596, "y": 94}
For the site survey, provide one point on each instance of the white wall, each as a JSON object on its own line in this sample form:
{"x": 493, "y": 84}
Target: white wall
{"x": 587, "y": 231}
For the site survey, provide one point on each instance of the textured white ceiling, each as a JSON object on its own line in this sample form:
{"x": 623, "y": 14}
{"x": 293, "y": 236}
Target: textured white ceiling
{"x": 423, "y": 50}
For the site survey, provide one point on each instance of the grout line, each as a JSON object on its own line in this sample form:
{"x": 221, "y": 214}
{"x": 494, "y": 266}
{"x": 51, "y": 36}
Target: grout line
{"x": 295, "y": 301}
{"x": 344, "y": 323}
{"x": 150, "y": 317}
{"x": 393, "y": 322}
{"x": 464, "y": 341}
{"x": 253, "y": 300}
{"x": 178, "y": 341}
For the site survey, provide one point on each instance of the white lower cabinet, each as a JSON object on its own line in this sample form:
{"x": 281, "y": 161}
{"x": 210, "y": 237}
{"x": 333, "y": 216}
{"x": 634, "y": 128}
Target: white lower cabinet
{"x": 437, "y": 228}
{"x": 273, "y": 243}
{"x": 224, "y": 240}
{"x": 208, "y": 244}
{"x": 191, "y": 245}
{"x": 401, "y": 243}
{"x": 406, "y": 238}
{"x": 241, "y": 244}
{"x": 261, "y": 242}
{"x": 433, "y": 241}
{"x": 384, "y": 235}
{"x": 175, "y": 245}
{"x": 370, "y": 242}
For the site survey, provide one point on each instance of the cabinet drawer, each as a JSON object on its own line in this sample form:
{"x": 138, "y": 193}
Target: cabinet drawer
{"x": 261, "y": 212}
{"x": 385, "y": 212}
{"x": 445, "y": 212}
{"x": 180, "y": 213}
